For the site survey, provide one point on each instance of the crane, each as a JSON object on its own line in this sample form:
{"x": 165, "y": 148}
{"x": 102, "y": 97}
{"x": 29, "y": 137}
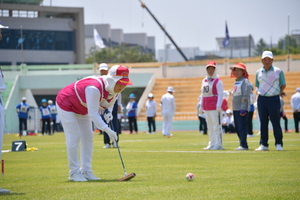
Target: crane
{"x": 178, "y": 49}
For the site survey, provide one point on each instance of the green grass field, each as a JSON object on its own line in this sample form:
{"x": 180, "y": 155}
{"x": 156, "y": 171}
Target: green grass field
{"x": 160, "y": 164}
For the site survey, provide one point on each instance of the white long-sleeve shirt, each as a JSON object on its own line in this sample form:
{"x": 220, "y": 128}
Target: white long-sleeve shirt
{"x": 150, "y": 108}
{"x": 295, "y": 101}
{"x": 168, "y": 103}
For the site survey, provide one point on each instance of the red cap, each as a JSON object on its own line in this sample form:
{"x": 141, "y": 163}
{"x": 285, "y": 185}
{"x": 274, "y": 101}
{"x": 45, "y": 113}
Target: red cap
{"x": 240, "y": 66}
{"x": 211, "y": 64}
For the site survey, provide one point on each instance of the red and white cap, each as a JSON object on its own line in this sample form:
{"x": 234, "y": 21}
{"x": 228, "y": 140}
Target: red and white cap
{"x": 211, "y": 64}
{"x": 120, "y": 74}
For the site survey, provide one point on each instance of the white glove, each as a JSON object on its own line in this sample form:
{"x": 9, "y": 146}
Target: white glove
{"x": 112, "y": 135}
{"x": 108, "y": 117}
{"x": 219, "y": 109}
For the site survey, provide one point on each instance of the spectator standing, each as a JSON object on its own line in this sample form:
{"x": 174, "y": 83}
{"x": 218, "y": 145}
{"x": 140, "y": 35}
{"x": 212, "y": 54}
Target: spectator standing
{"x": 168, "y": 108}
{"x": 103, "y": 70}
{"x": 45, "y": 117}
{"x": 22, "y": 110}
{"x": 131, "y": 114}
{"x": 2, "y": 89}
{"x": 241, "y": 102}
{"x": 211, "y": 102}
{"x": 151, "y": 113}
{"x": 270, "y": 82}
{"x": 282, "y": 113}
{"x": 295, "y": 104}
{"x": 53, "y": 113}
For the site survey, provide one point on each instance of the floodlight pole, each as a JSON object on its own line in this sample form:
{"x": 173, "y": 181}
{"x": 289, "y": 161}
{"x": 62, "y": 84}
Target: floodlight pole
{"x": 162, "y": 28}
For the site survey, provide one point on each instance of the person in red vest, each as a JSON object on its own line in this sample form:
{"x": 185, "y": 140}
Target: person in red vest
{"x": 211, "y": 102}
{"x": 78, "y": 105}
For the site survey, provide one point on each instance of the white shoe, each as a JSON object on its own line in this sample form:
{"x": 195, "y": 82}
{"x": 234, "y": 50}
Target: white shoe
{"x": 106, "y": 146}
{"x": 3, "y": 191}
{"x": 279, "y": 147}
{"x": 240, "y": 148}
{"x": 208, "y": 147}
{"x": 77, "y": 177}
{"x": 258, "y": 133}
{"x": 250, "y": 135}
{"x": 262, "y": 148}
{"x": 89, "y": 176}
{"x": 148, "y": 132}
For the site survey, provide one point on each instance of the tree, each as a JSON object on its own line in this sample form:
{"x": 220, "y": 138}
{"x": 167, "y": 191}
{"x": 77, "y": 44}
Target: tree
{"x": 121, "y": 54}
{"x": 260, "y": 47}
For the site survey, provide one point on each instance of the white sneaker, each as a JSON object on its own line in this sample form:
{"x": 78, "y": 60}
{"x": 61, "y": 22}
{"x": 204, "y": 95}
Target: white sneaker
{"x": 279, "y": 147}
{"x": 77, "y": 177}
{"x": 208, "y": 147}
{"x": 262, "y": 148}
{"x": 250, "y": 135}
{"x": 258, "y": 133}
{"x": 3, "y": 191}
{"x": 240, "y": 148}
{"x": 106, "y": 146}
{"x": 89, "y": 176}
{"x": 148, "y": 132}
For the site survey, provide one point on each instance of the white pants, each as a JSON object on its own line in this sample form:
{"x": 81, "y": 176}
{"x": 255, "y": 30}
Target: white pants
{"x": 78, "y": 129}
{"x": 213, "y": 119}
{"x": 167, "y": 122}
{"x": 1, "y": 128}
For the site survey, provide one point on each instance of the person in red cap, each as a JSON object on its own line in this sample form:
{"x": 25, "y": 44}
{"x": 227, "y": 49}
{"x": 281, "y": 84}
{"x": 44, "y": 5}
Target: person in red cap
{"x": 78, "y": 105}
{"x": 211, "y": 102}
{"x": 241, "y": 102}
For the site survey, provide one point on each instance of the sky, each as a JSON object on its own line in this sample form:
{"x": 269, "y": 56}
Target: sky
{"x": 194, "y": 23}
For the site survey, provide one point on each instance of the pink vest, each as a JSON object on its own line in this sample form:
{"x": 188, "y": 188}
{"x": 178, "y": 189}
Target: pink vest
{"x": 210, "y": 94}
{"x": 72, "y": 97}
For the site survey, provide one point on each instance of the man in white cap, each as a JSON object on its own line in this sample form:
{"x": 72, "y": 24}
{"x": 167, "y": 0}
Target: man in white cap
{"x": 295, "y": 104}
{"x": 168, "y": 108}
{"x": 22, "y": 110}
{"x": 103, "y": 69}
{"x": 211, "y": 102}
{"x": 270, "y": 83}
{"x": 2, "y": 89}
{"x": 151, "y": 113}
{"x": 78, "y": 105}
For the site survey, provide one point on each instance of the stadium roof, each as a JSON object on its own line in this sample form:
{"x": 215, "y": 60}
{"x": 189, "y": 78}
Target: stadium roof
{"x": 31, "y": 2}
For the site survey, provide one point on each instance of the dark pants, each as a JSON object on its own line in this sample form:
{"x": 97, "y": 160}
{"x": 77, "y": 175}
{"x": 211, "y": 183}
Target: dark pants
{"x": 22, "y": 124}
{"x": 203, "y": 125}
{"x": 269, "y": 109}
{"x": 296, "y": 120}
{"x": 229, "y": 128}
{"x": 132, "y": 124}
{"x": 53, "y": 126}
{"x": 249, "y": 123}
{"x": 44, "y": 128}
{"x": 151, "y": 124}
{"x": 240, "y": 123}
{"x": 285, "y": 121}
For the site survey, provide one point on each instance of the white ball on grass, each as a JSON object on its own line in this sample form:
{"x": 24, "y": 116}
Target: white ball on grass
{"x": 190, "y": 176}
